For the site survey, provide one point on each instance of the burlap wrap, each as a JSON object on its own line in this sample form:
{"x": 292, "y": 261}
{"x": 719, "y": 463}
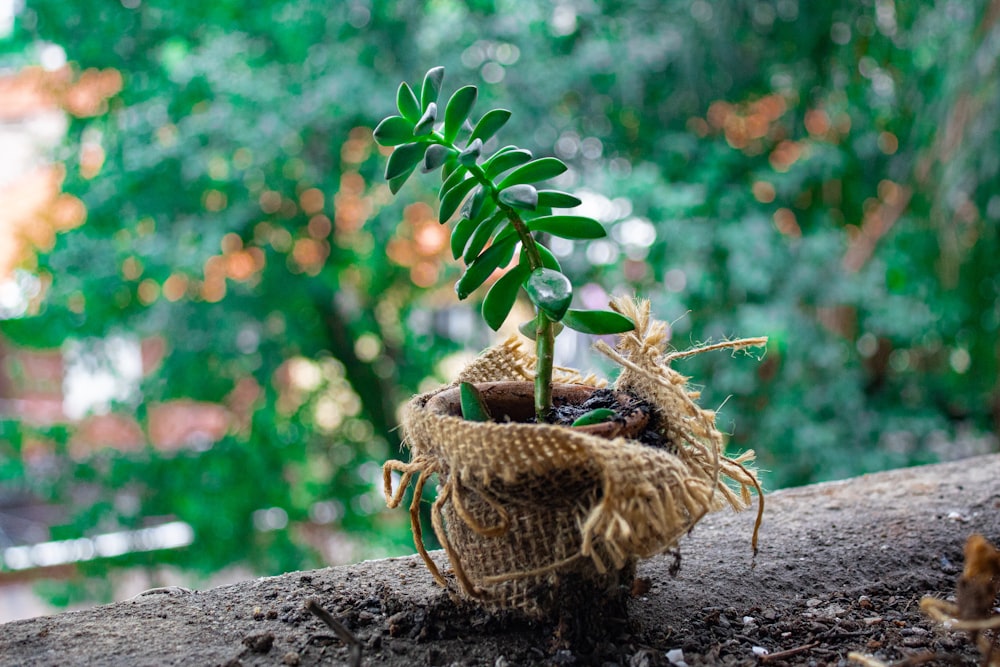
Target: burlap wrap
{"x": 522, "y": 505}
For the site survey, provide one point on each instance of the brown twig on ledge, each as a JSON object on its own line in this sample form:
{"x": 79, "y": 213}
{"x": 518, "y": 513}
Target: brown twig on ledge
{"x": 345, "y": 635}
{"x": 787, "y": 653}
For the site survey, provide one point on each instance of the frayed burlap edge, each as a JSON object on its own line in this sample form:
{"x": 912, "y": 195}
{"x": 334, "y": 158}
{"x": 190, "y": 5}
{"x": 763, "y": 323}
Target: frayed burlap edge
{"x": 649, "y": 498}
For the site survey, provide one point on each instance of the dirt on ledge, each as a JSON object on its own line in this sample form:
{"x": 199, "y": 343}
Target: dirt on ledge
{"x": 842, "y": 567}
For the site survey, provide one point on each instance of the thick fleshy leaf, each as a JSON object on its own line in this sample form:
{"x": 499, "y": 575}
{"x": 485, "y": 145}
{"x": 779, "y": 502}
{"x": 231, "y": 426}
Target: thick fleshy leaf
{"x": 451, "y": 166}
{"x": 473, "y": 406}
{"x": 527, "y": 329}
{"x": 573, "y": 227}
{"x": 501, "y": 297}
{"x": 453, "y": 198}
{"x": 501, "y": 162}
{"x": 407, "y": 103}
{"x": 597, "y": 322}
{"x": 404, "y": 158}
{"x": 550, "y": 291}
{"x": 499, "y": 151}
{"x": 457, "y": 110}
{"x": 425, "y": 125}
{"x": 496, "y": 255}
{"x": 595, "y": 416}
{"x": 397, "y": 182}
{"x": 549, "y": 260}
{"x": 453, "y": 179}
{"x": 461, "y": 234}
{"x": 521, "y": 196}
{"x": 431, "y": 87}
{"x": 473, "y": 206}
{"x": 537, "y": 170}
{"x": 556, "y": 199}
{"x": 471, "y": 152}
{"x": 489, "y": 124}
{"x": 436, "y": 156}
{"x": 393, "y": 131}
{"x": 484, "y": 231}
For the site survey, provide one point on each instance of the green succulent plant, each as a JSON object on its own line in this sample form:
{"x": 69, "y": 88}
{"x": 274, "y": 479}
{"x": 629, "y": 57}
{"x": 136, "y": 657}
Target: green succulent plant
{"x": 502, "y": 211}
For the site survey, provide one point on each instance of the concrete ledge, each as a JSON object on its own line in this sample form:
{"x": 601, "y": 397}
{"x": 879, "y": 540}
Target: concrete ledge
{"x": 841, "y": 568}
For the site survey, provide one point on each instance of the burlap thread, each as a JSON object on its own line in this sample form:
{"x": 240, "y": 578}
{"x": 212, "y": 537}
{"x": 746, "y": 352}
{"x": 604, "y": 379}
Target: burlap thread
{"x": 520, "y": 505}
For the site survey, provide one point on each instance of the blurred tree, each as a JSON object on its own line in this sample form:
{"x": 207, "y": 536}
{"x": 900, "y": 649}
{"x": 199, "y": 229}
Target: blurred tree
{"x": 824, "y": 175}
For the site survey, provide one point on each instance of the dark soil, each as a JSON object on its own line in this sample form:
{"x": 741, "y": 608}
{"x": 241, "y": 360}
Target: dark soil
{"x": 842, "y": 567}
{"x": 624, "y": 404}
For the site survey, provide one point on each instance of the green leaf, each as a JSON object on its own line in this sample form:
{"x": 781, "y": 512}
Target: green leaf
{"x": 501, "y": 162}
{"x": 453, "y": 179}
{"x": 425, "y": 125}
{"x": 431, "y": 87}
{"x": 489, "y": 124}
{"x": 404, "y": 158}
{"x": 568, "y": 227}
{"x": 501, "y": 297}
{"x": 527, "y": 329}
{"x": 397, "y": 182}
{"x": 473, "y": 406}
{"x": 550, "y": 291}
{"x": 484, "y": 231}
{"x": 595, "y": 416}
{"x": 521, "y": 196}
{"x": 461, "y": 234}
{"x": 451, "y": 167}
{"x": 557, "y": 199}
{"x": 496, "y": 255}
{"x": 407, "y": 103}
{"x": 457, "y": 110}
{"x": 473, "y": 206}
{"x": 499, "y": 151}
{"x": 471, "y": 152}
{"x": 537, "y": 170}
{"x": 436, "y": 156}
{"x": 453, "y": 198}
{"x": 597, "y": 322}
{"x": 549, "y": 260}
{"x": 393, "y": 131}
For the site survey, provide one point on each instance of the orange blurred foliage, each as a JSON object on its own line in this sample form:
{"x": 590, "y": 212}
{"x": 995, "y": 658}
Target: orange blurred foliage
{"x": 744, "y": 123}
{"x": 33, "y": 208}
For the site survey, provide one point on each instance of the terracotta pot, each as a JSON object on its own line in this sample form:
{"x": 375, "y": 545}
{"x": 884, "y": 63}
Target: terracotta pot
{"x": 515, "y": 401}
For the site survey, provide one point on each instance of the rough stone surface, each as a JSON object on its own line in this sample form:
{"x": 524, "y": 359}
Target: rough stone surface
{"x": 842, "y": 567}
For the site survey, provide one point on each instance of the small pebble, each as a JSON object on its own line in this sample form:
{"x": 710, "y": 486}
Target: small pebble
{"x": 676, "y": 657}
{"x": 291, "y": 658}
{"x": 564, "y": 657}
{"x": 261, "y": 643}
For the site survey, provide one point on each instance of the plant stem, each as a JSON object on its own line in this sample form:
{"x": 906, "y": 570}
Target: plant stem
{"x": 544, "y": 330}
{"x": 544, "y": 346}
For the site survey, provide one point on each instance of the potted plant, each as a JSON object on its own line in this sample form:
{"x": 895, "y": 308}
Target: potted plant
{"x": 551, "y": 485}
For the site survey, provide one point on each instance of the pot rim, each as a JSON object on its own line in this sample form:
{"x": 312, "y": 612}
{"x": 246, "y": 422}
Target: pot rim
{"x": 514, "y": 401}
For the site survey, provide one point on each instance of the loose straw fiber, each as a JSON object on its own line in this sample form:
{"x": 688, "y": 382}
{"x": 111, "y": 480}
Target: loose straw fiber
{"x": 522, "y": 504}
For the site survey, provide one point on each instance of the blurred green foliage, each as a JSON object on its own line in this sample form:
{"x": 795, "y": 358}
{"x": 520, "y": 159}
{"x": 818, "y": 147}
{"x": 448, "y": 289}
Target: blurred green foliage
{"x": 824, "y": 174}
